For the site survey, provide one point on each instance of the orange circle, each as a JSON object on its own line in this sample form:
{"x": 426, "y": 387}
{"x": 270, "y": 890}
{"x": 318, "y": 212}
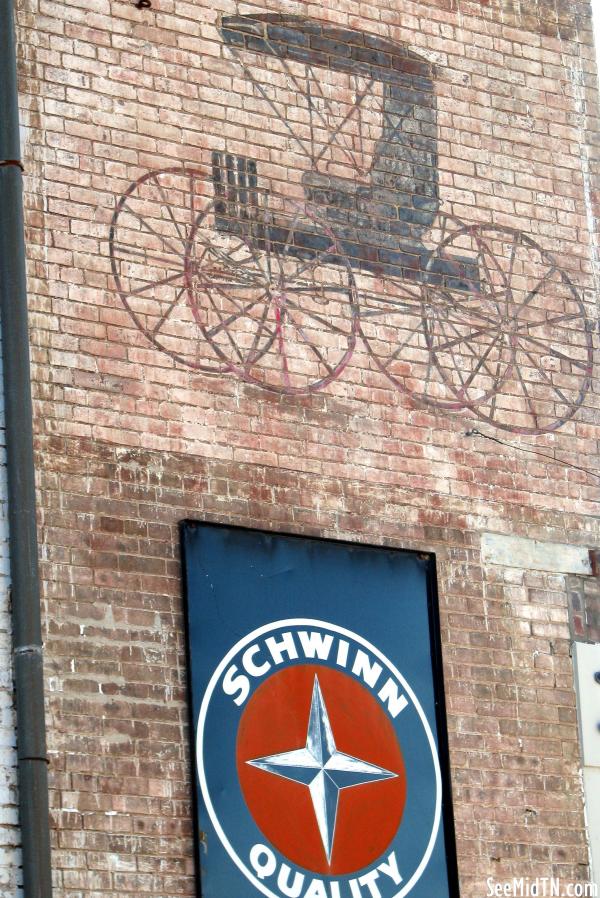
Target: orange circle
{"x": 276, "y": 720}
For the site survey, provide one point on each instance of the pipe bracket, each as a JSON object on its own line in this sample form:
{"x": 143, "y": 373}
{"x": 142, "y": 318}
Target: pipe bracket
{"x": 17, "y": 162}
{"x": 28, "y": 650}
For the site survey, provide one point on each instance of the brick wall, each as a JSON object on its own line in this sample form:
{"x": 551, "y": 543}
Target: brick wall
{"x": 371, "y": 411}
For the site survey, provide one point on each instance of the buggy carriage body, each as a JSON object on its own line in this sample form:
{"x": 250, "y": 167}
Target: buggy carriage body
{"x": 378, "y": 215}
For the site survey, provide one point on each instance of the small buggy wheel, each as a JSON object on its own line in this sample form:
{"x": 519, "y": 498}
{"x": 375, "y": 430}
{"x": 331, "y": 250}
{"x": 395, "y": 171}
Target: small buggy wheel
{"x": 514, "y": 346}
{"x": 274, "y": 300}
{"x": 392, "y": 324}
{"x": 148, "y": 236}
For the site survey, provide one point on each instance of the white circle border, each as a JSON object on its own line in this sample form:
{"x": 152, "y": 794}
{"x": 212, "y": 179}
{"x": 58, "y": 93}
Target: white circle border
{"x": 306, "y": 622}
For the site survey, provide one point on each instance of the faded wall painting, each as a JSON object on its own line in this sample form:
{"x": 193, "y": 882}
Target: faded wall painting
{"x": 285, "y": 255}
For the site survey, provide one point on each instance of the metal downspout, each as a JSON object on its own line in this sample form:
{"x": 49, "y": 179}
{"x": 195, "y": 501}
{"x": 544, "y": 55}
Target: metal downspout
{"x": 25, "y": 589}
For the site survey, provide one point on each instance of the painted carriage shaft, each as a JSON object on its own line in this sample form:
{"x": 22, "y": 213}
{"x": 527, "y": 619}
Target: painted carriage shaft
{"x": 378, "y": 225}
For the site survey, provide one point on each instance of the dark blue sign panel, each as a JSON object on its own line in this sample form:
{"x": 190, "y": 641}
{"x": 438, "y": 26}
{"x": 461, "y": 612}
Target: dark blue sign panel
{"x": 317, "y": 718}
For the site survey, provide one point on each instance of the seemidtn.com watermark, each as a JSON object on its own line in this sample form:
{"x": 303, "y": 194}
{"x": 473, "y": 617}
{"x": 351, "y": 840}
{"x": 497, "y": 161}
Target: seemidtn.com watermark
{"x": 539, "y": 887}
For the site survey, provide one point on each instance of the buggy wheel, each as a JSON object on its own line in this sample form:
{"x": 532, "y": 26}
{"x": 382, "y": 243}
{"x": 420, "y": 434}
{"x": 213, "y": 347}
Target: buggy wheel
{"x": 392, "y": 316}
{"x": 148, "y": 236}
{"x": 517, "y": 350}
{"x": 275, "y": 301}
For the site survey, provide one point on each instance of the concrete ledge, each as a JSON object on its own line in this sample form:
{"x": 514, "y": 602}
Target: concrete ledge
{"x": 533, "y": 555}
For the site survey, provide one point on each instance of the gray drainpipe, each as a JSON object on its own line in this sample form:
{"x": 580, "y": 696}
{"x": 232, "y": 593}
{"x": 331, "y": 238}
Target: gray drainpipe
{"x": 25, "y": 587}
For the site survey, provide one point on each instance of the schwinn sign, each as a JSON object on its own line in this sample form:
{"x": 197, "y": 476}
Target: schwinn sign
{"x": 315, "y": 702}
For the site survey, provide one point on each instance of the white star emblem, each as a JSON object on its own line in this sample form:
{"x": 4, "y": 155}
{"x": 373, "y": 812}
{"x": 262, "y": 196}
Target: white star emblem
{"x": 321, "y": 767}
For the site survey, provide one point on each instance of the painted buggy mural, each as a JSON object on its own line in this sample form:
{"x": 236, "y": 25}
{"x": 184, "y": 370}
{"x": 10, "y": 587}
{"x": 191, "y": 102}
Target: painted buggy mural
{"x": 323, "y": 235}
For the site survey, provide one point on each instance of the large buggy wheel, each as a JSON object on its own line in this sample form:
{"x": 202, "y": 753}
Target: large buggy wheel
{"x": 148, "y": 236}
{"x": 516, "y": 348}
{"x": 275, "y": 301}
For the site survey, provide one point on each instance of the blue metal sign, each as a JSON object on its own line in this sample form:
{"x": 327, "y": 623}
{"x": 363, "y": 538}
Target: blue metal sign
{"x": 319, "y": 750}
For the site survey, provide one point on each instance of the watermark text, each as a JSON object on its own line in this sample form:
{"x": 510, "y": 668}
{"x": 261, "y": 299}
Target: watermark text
{"x": 539, "y": 887}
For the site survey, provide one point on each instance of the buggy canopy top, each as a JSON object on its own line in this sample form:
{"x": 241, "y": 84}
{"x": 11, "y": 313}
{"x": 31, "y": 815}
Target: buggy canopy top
{"x": 339, "y": 49}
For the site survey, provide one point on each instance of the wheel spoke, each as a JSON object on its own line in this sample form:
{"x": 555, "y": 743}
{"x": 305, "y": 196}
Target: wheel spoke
{"x": 487, "y": 295}
{"x": 192, "y": 194}
{"x": 416, "y": 329}
{"x": 491, "y": 329}
{"x": 252, "y": 354}
{"x": 549, "y": 322}
{"x": 146, "y": 256}
{"x": 468, "y": 312}
{"x": 282, "y": 350}
{"x": 456, "y": 366}
{"x": 218, "y": 287}
{"x": 551, "y": 271}
{"x": 228, "y": 335}
{"x": 472, "y": 351}
{"x": 218, "y": 275}
{"x": 458, "y": 309}
{"x": 226, "y": 270}
{"x": 198, "y": 262}
{"x": 310, "y": 288}
{"x": 165, "y": 315}
{"x": 511, "y": 266}
{"x": 160, "y": 283}
{"x": 233, "y": 318}
{"x": 548, "y": 380}
{"x": 223, "y": 324}
{"x": 483, "y": 248}
{"x": 548, "y": 350}
{"x": 330, "y": 327}
{"x": 207, "y": 279}
{"x": 169, "y": 209}
{"x": 311, "y": 345}
{"x": 229, "y": 255}
{"x": 312, "y": 263}
{"x": 144, "y": 223}
{"x": 428, "y": 374}
{"x": 528, "y": 397}
{"x": 409, "y": 303}
{"x": 269, "y": 253}
{"x": 493, "y": 405}
{"x": 481, "y": 361}
{"x": 379, "y": 313}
